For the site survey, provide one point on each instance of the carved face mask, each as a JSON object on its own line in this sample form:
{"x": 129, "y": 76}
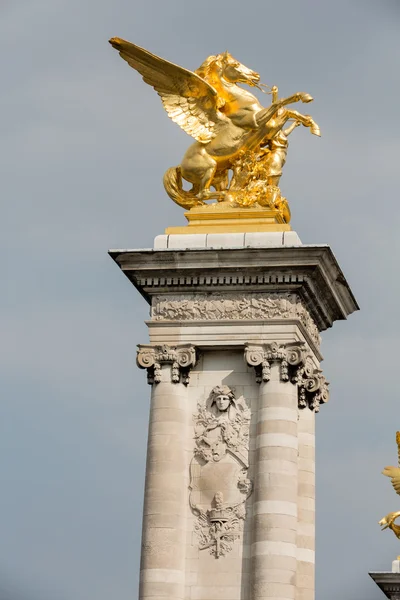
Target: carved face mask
{"x": 222, "y": 402}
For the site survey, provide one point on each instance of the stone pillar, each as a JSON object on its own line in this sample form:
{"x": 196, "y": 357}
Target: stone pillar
{"x": 229, "y": 499}
{"x": 306, "y": 507}
{"x": 273, "y": 551}
{"x": 162, "y": 570}
{"x": 274, "y": 546}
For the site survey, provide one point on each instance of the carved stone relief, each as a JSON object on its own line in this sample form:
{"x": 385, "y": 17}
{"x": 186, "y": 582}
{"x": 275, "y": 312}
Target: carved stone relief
{"x": 239, "y": 306}
{"x": 181, "y": 358}
{"x": 296, "y": 366}
{"x": 219, "y": 486}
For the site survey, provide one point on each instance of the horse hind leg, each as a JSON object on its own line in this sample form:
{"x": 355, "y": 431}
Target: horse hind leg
{"x": 206, "y": 181}
{"x": 220, "y": 181}
{"x": 199, "y": 168}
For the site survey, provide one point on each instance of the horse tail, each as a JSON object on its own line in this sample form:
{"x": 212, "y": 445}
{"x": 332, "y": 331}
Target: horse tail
{"x": 173, "y": 186}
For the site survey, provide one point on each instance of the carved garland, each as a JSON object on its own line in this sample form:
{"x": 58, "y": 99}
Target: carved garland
{"x": 242, "y": 307}
{"x": 295, "y": 366}
{"x": 181, "y": 358}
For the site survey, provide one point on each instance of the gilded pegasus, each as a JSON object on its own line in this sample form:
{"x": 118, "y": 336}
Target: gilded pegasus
{"x": 226, "y": 121}
{"x": 394, "y": 474}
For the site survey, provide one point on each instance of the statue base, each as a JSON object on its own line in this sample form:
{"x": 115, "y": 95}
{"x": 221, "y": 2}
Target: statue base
{"x": 220, "y": 218}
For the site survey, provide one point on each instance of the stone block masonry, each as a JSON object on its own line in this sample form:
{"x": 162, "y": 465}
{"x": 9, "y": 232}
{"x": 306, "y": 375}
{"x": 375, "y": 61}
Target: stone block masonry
{"x": 233, "y": 362}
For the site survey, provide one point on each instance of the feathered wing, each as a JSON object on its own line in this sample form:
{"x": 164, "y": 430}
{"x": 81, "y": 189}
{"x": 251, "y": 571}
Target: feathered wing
{"x": 394, "y": 474}
{"x": 189, "y": 100}
{"x": 398, "y": 445}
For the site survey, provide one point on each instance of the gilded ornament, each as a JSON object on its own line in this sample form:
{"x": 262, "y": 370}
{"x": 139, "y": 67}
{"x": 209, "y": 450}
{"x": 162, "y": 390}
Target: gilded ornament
{"x": 240, "y": 146}
{"x": 394, "y": 474}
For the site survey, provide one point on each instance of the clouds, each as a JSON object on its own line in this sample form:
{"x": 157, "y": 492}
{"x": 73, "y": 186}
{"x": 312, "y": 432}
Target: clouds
{"x": 85, "y": 144}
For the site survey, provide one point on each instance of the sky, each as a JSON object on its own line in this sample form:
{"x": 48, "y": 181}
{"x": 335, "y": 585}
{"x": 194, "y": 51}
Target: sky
{"x": 83, "y": 149}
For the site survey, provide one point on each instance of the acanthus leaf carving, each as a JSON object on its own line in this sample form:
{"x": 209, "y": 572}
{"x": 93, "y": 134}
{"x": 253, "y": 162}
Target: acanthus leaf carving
{"x": 181, "y": 358}
{"x": 312, "y": 385}
{"x": 257, "y": 358}
{"x": 295, "y": 366}
{"x": 261, "y": 357}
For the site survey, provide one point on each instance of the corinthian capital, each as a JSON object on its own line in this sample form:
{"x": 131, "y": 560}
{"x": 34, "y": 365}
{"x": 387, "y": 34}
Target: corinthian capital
{"x": 296, "y": 367}
{"x": 181, "y": 359}
{"x": 261, "y": 357}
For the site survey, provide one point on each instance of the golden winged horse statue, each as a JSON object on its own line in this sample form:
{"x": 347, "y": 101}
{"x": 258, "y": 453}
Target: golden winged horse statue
{"x": 394, "y": 474}
{"x": 240, "y": 146}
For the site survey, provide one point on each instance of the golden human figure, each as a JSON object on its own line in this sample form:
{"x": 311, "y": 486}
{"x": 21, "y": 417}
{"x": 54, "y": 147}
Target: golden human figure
{"x": 276, "y": 152}
{"x": 232, "y": 130}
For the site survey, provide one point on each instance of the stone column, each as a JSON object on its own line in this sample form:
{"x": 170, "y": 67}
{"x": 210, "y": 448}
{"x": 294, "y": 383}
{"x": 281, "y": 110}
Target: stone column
{"x": 312, "y": 391}
{"x": 162, "y": 570}
{"x": 274, "y": 545}
{"x": 306, "y": 507}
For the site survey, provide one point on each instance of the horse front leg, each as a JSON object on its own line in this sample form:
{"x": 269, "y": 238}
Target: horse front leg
{"x": 305, "y": 120}
{"x": 264, "y": 115}
{"x": 266, "y": 130}
{"x": 298, "y": 97}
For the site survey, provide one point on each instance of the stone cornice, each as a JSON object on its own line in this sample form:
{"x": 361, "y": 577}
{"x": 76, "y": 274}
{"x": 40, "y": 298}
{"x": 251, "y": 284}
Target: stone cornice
{"x": 388, "y": 582}
{"x": 310, "y": 271}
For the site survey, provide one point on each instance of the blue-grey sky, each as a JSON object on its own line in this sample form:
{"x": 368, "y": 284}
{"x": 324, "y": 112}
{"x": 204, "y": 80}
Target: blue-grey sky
{"x": 84, "y": 146}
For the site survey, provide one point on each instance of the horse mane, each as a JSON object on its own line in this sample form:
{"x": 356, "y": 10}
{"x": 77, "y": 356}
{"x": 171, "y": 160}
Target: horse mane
{"x": 205, "y": 71}
{"x": 206, "y": 67}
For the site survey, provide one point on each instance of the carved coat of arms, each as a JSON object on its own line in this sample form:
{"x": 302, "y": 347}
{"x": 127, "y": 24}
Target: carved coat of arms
{"x": 219, "y": 486}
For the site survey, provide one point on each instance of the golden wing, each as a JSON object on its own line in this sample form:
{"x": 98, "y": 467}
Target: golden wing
{"x": 394, "y": 474}
{"x": 188, "y": 99}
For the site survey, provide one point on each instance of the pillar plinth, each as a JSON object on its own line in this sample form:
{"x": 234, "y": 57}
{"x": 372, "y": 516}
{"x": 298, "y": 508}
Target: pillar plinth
{"x": 233, "y": 361}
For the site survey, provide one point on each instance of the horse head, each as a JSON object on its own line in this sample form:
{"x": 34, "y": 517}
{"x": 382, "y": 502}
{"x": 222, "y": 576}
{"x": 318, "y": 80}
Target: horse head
{"x": 224, "y": 65}
{"x": 234, "y": 72}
